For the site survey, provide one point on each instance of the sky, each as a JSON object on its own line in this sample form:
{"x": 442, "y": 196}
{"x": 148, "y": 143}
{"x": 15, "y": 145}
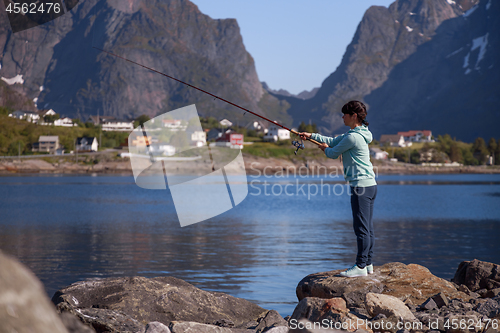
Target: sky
{"x": 296, "y": 44}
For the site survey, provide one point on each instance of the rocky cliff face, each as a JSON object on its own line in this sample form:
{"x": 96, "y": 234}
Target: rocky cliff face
{"x": 384, "y": 38}
{"x": 62, "y": 70}
{"x": 450, "y": 84}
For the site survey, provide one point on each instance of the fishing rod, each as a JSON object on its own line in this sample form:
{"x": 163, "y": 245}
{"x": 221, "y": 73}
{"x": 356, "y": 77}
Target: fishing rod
{"x": 299, "y": 145}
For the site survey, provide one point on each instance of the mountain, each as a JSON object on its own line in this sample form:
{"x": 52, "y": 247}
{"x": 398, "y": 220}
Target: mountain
{"x": 62, "y": 70}
{"x": 384, "y": 38}
{"x": 284, "y": 93}
{"x": 450, "y": 84}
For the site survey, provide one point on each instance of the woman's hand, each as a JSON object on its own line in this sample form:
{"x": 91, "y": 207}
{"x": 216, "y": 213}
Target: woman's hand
{"x": 323, "y": 146}
{"x": 304, "y": 135}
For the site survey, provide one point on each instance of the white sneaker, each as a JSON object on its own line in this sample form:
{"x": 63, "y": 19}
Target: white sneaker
{"x": 369, "y": 269}
{"x": 354, "y": 271}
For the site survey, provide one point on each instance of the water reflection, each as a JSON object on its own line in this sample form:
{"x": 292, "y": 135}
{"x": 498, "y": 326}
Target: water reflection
{"x": 106, "y": 226}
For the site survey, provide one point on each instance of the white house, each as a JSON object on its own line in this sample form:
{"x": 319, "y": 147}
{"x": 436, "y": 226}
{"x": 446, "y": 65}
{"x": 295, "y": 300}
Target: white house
{"x": 30, "y": 116}
{"x": 161, "y": 148}
{"x": 417, "y": 136}
{"x": 378, "y": 154}
{"x": 110, "y": 123}
{"x": 118, "y": 125}
{"x": 66, "y": 122}
{"x": 44, "y": 113}
{"x": 174, "y": 124}
{"x": 225, "y": 123}
{"x": 86, "y": 144}
{"x": 394, "y": 140}
{"x": 257, "y": 126}
{"x": 276, "y": 133}
{"x": 198, "y": 138}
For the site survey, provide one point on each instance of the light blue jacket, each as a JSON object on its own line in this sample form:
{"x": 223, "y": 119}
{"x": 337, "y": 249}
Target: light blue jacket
{"x": 353, "y": 146}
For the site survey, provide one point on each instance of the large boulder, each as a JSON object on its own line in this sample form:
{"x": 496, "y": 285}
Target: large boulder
{"x": 136, "y": 301}
{"x": 389, "y": 306}
{"x": 325, "y": 314}
{"x": 24, "y": 305}
{"x": 412, "y": 283}
{"x": 318, "y": 309}
{"x": 478, "y": 275}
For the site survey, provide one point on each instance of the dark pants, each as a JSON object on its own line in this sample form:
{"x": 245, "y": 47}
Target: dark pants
{"x": 362, "y": 199}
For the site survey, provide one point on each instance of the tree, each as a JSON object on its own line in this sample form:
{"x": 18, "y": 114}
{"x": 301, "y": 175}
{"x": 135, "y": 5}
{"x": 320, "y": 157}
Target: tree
{"x": 78, "y": 122}
{"x": 492, "y": 147}
{"x": 14, "y": 148}
{"x": 444, "y": 143}
{"x": 51, "y": 118}
{"x": 401, "y": 155}
{"x": 302, "y": 127}
{"x": 468, "y": 157}
{"x": 4, "y": 111}
{"x": 479, "y": 150}
{"x": 415, "y": 157}
{"x": 139, "y": 121}
{"x": 497, "y": 153}
{"x": 311, "y": 128}
{"x": 456, "y": 153}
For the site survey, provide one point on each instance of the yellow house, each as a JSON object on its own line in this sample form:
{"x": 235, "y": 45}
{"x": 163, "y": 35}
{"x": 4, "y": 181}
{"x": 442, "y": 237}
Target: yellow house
{"x": 141, "y": 141}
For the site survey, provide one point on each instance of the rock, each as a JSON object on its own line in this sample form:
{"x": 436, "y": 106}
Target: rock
{"x": 24, "y": 305}
{"x": 105, "y": 320}
{"x": 478, "y": 275}
{"x": 194, "y": 327}
{"x": 409, "y": 282}
{"x": 431, "y": 321}
{"x": 492, "y": 293}
{"x": 162, "y": 299}
{"x": 224, "y": 323}
{"x": 429, "y": 304}
{"x": 74, "y": 325}
{"x": 388, "y": 305}
{"x": 271, "y": 320}
{"x": 463, "y": 288}
{"x": 441, "y": 300}
{"x": 318, "y": 309}
{"x": 402, "y": 331}
{"x": 156, "y": 327}
{"x": 482, "y": 292}
{"x": 326, "y": 313}
{"x": 278, "y": 329}
{"x": 379, "y": 316}
{"x": 489, "y": 308}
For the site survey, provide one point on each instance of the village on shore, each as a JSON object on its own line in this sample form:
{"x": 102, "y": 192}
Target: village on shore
{"x": 44, "y": 142}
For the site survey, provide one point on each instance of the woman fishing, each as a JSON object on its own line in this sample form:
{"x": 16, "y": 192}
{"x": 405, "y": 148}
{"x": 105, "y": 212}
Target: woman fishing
{"x": 358, "y": 172}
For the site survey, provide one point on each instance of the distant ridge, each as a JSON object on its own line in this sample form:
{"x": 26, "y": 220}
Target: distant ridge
{"x": 282, "y": 92}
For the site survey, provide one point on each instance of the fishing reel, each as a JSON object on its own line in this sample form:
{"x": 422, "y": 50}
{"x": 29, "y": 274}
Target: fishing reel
{"x": 299, "y": 145}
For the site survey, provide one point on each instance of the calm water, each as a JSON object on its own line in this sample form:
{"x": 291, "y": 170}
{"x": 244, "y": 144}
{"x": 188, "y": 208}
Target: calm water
{"x": 69, "y": 228}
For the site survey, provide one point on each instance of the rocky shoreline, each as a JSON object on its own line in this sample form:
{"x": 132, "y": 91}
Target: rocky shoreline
{"x": 396, "y": 298}
{"x": 253, "y": 165}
